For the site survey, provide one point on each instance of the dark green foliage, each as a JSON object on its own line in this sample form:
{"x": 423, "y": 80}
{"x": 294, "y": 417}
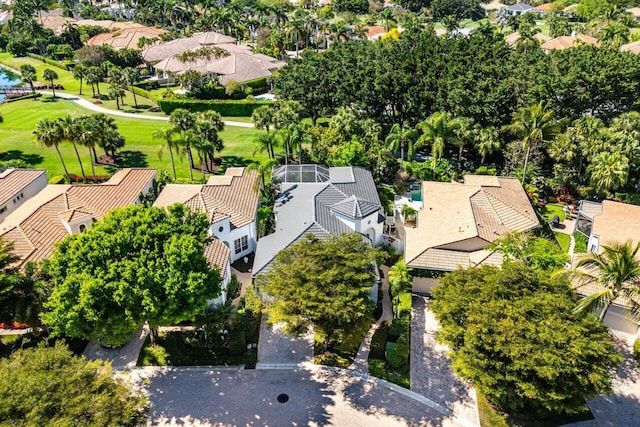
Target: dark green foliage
{"x": 378, "y": 369}
{"x": 398, "y": 354}
{"x": 233, "y": 288}
{"x": 251, "y": 311}
{"x": 224, "y": 107}
{"x": 50, "y": 386}
{"x": 460, "y": 9}
{"x": 636, "y": 351}
{"x": 237, "y": 342}
{"x": 399, "y": 325}
{"x": 379, "y": 341}
{"x": 353, "y": 6}
{"x": 513, "y": 333}
{"x": 537, "y": 252}
{"x": 136, "y": 264}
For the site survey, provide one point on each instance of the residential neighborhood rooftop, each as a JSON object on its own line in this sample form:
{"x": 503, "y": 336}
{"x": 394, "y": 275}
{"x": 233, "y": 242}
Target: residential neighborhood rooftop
{"x": 618, "y": 222}
{"x": 566, "y": 42}
{"x": 13, "y": 180}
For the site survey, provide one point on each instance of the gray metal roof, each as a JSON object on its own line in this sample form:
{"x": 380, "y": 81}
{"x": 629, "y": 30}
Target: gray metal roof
{"x": 305, "y": 207}
{"x": 519, "y": 7}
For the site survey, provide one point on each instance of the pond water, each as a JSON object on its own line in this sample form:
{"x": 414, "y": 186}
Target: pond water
{"x": 7, "y": 78}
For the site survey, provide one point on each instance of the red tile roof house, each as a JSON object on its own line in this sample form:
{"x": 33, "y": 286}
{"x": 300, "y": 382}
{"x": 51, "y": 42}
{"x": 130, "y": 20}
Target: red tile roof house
{"x": 59, "y": 210}
{"x": 230, "y": 202}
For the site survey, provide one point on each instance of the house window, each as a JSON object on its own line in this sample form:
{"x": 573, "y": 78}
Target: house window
{"x": 82, "y": 228}
{"x": 241, "y": 245}
{"x": 3, "y": 209}
{"x": 221, "y": 229}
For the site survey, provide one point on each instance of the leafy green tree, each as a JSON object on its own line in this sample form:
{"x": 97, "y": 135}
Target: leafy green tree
{"x": 617, "y": 271}
{"x": 136, "y": 264}
{"x": 51, "y": 386}
{"x": 487, "y": 141}
{"x": 324, "y": 283}
{"x": 50, "y": 75}
{"x": 536, "y": 252}
{"x": 28, "y": 74}
{"x": 608, "y": 171}
{"x": 513, "y": 334}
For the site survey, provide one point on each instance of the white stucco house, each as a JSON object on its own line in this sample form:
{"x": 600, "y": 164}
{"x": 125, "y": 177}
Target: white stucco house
{"x": 18, "y": 185}
{"x": 230, "y": 202}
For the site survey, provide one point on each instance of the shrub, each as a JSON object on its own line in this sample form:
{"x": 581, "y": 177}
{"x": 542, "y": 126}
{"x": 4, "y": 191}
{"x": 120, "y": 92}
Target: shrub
{"x": 49, "y": 61}
{"x": 58, "y": 179}
{"x": 636, "y": 350}
{"x": 237, "y": 341}
{"x": 154, "y": 355}
{"x": 233, "y": 289}
{"x": 398, "y": 355}
{"x": 331, "y": 359}
{"x": 399, "y": 326}
{"x": 251, "y": 309}
{"x": 143, "y": 93}
{"x": 379, "y": 341}
{"x": 224, "y": 107}
{"x": 377, "y": 369}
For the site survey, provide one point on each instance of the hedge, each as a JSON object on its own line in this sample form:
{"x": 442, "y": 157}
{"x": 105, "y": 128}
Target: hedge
{"x": 258, "y": 85}
{"x": 49, "y": 61}
{"x": 144, "y": 93}
{"x": 224, "y": 107}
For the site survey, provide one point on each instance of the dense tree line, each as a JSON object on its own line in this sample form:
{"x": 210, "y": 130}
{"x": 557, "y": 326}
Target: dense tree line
{"x": 403, "y": 81}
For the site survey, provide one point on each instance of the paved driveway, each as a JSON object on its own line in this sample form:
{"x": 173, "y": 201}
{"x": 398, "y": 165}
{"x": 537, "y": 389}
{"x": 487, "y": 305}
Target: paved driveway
{"x": 277, "y": 348}
{"x": 205, "y": 397}
{"x": 431, "y": 372}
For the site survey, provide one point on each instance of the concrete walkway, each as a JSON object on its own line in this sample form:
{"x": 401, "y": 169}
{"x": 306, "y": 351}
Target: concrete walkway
{"x": 361, "y": 361}
{"x": 431, "y": 373}
{"x": 98, "y": 109}
{"x": 315, "y": 396}
{"x": 123, "y": 357}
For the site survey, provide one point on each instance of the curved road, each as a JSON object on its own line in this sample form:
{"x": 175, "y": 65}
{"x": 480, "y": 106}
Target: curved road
{"x": 98, "y": 109}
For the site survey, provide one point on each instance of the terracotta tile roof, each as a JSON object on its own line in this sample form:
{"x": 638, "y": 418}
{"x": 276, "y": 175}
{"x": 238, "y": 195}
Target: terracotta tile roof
{"x": 55, "y": 23}
{"x": 162, "y": 51}
{"x": 125, "y": 37}
{"x": 617, "y": 223}
{"x": 38, "y": 223}
{"x": 232, "y": 195}
{"x": 494, "y": 5}
{"x": 374, "y": 31}
{"x": 514, "y": 37}
{"x": 449, "y": 260}
{"x": 12, "y": 181}
{"x": 217, "y": 253}
{"x": 461, "y": 219}
{"x": 585, "y": 288}
{"x": 566, "y": 42}
{"x": 635, "y": 11}
{"x": 545, "y": 7}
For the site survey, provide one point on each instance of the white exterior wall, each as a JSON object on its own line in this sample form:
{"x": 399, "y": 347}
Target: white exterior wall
{"x": 594, "y": 243}
{"x": 364, "y": 225}
{"x": 619, "y": 319}
{"x": 228, "y": 236}
{"x": 224, "y": 285}
{"x": 27, "y": 192}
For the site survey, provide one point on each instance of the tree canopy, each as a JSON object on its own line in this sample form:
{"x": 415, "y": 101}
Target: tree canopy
{"x": 51, "y": 386}
{"x": 513, "y": 333}
{"x": 324, "y": 283}
{"x": 136, "y": 264}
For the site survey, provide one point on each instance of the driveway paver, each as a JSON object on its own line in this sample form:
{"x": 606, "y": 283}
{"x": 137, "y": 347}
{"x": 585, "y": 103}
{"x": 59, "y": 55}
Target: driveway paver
{"x": 120, "y": 358}
{"x": 431, "y": 372}
{"x": 210, "y": 397}
{"x": 277, "y": 348}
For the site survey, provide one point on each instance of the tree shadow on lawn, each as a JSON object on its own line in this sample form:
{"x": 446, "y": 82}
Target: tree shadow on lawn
{"x": 232, "y": 162}
{"x": 129, "y": 159}
{"x": 29, "y": 159}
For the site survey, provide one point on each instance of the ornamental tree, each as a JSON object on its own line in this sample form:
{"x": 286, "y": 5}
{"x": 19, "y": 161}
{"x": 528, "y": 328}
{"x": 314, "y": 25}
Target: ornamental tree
{"x": 136, "y": 264}
{"x": 324, "y": 283}
{"x": 514, "y": 335}
{"x": 51, "y": 386}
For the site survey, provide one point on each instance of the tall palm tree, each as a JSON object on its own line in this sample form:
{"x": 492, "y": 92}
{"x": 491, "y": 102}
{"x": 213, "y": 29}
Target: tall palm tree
{"x": 400, "y": 281}
{"x": 79, "y": 73}
{"x": 28, "y": 74}
{"x": 617, "y": 271}
{"x": 487, "y": 142}
{"x": 535, "y": 124}
{"x": 50, "y": 75}
{"x": 131, "y": 75}
{"x": 399, "y": 137}
{"x": 70, "y": 129}
{"x": 438, "y": 130}
{"x": 49, "y": 134}
{"x": 264, "y": 170}
{"x": 265, "y": 142}
{"x": 262, "y": 117}
{"x": 168, "y": 136}
{"x": 614, "y": 35}
{"x": 609, "y": 170}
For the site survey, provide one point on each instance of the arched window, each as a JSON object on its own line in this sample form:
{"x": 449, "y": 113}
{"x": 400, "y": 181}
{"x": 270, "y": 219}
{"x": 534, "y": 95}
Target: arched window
{"x": 82, "y": 228}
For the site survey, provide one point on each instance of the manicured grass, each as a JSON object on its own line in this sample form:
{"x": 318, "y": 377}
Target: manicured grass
{"x": 404, "y": 307}
{"x": 377, "y": 369}
{"x": 551, "y": 209}
{"x": 563, "y": 240}
{"x": 489, "y": 416}
{"x": 72, "y": 86}
{"x": 141, "y": 150}
{"x": 581, "y": 243}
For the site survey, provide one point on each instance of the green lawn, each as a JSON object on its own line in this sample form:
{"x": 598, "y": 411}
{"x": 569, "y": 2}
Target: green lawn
{"x": 21, "y": 117}
{"x": 72, "y": 86}
{"x": 551, "y": 209}
{"x": 563, "y": 240}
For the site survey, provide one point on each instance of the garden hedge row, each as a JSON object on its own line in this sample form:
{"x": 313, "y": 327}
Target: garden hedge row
{"x": 144, "y": 93}
{"x": 224, "y": 107}
{"x": 49, "y": 61}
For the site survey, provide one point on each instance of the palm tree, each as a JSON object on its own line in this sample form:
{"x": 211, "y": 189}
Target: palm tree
{"x": 265, "y": 142}
{"x": 264, "y": 170}
{"x": 85, "y": 134}
{"x": 398, "y": 137}
{"x": 131, "y": 75}
{"x": 438, "y": 130}
{"x": 29, "y": 76}
{"x": 534, "y": 125}
{"x": 50, "y": 75}
{"x": 94, "y": 77}
{"x": 79, "y": 73}
{"x": 49, "y": 134}
{"x": 609, "y": 170}
{"x": 262, "y": 117}
{"x": 487, "y": 142}
{"x": 167, "y": 135}
{"x": 614, "y": 35}
{"x": 400, "y": 281}
{"x": 70, "y": 131}
{"x": 116, "y": 92}
{"x": 386, "y": 15}
{"x": 617, "y": 271}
